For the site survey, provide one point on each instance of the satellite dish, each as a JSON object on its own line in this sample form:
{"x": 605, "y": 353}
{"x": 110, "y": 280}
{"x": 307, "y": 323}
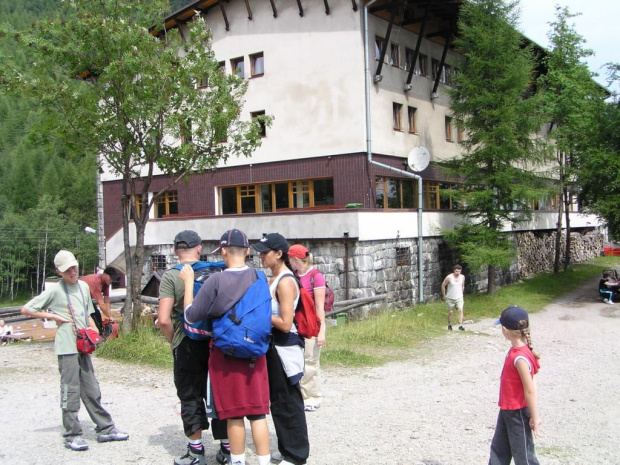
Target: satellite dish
{"x": 418, "y": 158}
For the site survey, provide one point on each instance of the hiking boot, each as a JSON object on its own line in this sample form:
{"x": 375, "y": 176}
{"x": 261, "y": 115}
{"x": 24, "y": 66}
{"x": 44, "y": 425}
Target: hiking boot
{"x": 450, "y": 327}
{"x": 223, "y": 455}
{"x": 461, "y": 328}
{"x": 191, "y": 458}
{"x": 114, "y": 435}
{"x": 76, "y": 443}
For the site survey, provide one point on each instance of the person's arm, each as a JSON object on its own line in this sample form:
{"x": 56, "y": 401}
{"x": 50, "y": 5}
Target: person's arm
{"x": 44, "y": 315}
{"x": 187, "y": 275}
{"x": 443, "y": 287}
{"x": 164, "y": 317}
{"x": 319, "y": 307}
{"x": 104, "y": 306}
{"x": 529, "y": 390}
{"x": 286, "y": 293}
{"x": 463, "y": 284}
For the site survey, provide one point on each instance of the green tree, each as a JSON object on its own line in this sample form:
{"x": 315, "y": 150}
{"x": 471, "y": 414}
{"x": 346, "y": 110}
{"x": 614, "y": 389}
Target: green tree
{"x": 572, "y": 101}
{"x": 493, "y": 102}
{"x": 138, "y": 97}
{"x": 599, "y": 176}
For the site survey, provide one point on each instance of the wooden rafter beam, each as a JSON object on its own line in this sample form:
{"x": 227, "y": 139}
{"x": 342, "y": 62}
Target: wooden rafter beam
{"x": 247, "y": 5}
{"x": 224, "y": 15}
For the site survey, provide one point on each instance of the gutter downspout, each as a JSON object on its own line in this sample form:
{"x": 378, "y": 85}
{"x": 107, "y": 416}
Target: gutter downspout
{"x": 402, "y": 172}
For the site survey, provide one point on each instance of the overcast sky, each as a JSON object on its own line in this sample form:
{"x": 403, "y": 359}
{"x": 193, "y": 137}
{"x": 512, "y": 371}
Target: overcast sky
{"x": 598, "y": 25}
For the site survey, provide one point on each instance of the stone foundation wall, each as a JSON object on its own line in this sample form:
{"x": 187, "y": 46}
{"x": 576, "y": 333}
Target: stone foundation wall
{"x": 391, "y": 267}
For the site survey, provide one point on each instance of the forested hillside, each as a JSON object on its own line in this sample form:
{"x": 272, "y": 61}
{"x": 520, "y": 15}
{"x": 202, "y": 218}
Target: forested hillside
{"x": 47, "y": 192}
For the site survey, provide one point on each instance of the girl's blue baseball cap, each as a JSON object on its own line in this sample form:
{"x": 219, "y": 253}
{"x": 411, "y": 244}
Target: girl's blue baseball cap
{"x": 512, "y": 317}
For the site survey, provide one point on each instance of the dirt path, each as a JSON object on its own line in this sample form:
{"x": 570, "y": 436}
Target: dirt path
{"x": 437, "y": 408}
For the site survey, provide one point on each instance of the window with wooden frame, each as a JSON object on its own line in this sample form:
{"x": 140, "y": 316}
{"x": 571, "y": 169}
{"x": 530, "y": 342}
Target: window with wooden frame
{"x": 397, "y": 123}
{"x": 202, "y": 82}
{"x": 138, "y": 204}
{"x": 451, "y": 196}
{"x": 403, "y": 256}
{"x": 460, "y": 134}
{"x": 423, "y": 65}
{"x": 448, "y": 125}
{"x": 395, "y": 55}
{"x": 257, "y": 64}
{"x": 166, "y": 204}
{"x": 411, "y": 118}
{"x": 263, "y": 126}
{"x": 237, "y": 67}
{"x": 378, "y": 47}
{"x": 272, "y": 197}
{"x": 158, "y": 262}
{"x": 408, "y": 59}
{"x": 403, "y": 193}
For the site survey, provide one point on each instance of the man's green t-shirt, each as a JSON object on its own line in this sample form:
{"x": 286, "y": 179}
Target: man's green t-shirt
{"x": 172, "y": 286}
{"x": 54, "y": 299}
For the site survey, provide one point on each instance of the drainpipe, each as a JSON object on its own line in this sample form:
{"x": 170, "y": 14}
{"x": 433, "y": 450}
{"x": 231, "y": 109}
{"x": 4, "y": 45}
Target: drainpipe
{"x": 402, "y": 172}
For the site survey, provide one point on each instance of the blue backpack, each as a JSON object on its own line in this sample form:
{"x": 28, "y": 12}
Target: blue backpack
{"x": 201, "y": 330}
{"x": 244, "y": 331}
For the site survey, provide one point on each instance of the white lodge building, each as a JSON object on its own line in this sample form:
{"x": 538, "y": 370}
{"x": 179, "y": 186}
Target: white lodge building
{"x": 332, "y": 170}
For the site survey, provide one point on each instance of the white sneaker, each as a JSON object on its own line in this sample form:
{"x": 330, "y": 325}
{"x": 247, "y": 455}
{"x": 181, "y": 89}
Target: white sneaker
{"x": 612, "y": 302}
{"x": 606, "y": 301}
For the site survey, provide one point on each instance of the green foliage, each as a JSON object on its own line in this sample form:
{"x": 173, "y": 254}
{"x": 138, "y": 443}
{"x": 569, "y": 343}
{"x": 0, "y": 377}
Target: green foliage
{"x": 479, "y": 246}
{"x": 599, "y": 176}
{"x": 146, "y": 346}
{"x": 493, "y": 102}
{"x": 136, "y": 98}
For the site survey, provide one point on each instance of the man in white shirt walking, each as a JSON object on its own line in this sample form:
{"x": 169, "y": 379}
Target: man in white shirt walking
{"x": 455, "y": 282}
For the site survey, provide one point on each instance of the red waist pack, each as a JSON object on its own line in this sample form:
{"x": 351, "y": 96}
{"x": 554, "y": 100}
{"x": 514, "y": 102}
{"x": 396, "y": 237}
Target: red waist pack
{"x": 87, "y": 340}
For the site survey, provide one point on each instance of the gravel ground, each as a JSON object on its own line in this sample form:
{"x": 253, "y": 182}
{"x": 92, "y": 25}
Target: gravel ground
{"x": 436, "y": 408}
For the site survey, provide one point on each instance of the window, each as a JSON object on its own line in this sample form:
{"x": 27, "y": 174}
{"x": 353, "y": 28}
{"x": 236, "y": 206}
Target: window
{"x": 378, "y": 47}
{"x": 434, "y": 68}
{"x": 257, "y": 64}
{"x": 166, "y": 204}
{"x": 447, "y": 75}
{"x": 158, "y": 262}
{"x": 396, "y": 111}
{"x": 403, "y": 193}
{"x": 449, "y": 136}
{"x": 237, "y": 66}
{"x": 203, "y": 82}
{"x": 403, "y": 256}
{"x": 139, "y": 203}
{"x": 451, "y": 197}
{"x": 263, "y": 126}
{"x": 408, "y": 59}
{"x": 395, "y": 55}
{"x": 411, "y": 113}
{"x": 272, "y": 197}
{"x": 460, "y": 134}
{"x": 423, "y": 65}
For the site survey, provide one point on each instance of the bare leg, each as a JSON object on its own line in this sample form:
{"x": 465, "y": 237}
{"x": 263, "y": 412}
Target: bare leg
{"x": 236, "y": 435}
{"x": 260, "y": 436}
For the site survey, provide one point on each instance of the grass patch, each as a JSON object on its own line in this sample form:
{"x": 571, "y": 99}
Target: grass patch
{"x": 147, "y": 346}
{"x": 384, "y": 335}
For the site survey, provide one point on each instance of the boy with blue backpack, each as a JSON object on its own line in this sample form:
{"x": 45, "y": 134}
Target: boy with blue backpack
{"x": 238, "y": 304}
{"x": 191, "y": 356}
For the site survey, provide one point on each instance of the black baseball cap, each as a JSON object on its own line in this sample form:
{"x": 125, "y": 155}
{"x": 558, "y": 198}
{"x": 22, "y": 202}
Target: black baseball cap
{"x": 273, "y": 241}
{"x": 233, "y": 238}
{"x": 187, "y": 240}
{"x": 511, "y": 317}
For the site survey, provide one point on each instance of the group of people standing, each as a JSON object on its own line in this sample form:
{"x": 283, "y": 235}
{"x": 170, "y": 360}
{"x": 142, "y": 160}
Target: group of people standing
{"x": 272, "y": 383}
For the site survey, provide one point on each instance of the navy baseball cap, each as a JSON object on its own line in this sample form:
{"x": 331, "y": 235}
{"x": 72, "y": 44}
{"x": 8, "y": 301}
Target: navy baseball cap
{"x": 273, "y": 241}
{"x": 233, "y": 238}
{"x": 511, "y": 318}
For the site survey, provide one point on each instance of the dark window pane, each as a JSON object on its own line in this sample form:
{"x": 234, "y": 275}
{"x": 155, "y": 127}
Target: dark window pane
{"x": 323, "y": 192}
{"x": 409, "y": 194}
{"x": 282, "y": 195}
{"x": 393, "y": 194}
{"x": 248, "y": 205}
{"x": 229, "y": 200}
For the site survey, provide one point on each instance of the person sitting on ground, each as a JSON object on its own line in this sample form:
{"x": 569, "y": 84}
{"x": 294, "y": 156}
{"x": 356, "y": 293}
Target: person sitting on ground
{"x": 5, "y": 330}
{"x": 603, "y": 288}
